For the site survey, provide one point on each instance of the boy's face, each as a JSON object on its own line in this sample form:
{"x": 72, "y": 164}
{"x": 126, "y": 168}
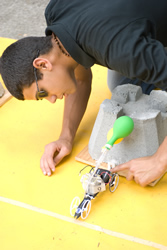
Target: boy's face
{"x": 57, "y": 84}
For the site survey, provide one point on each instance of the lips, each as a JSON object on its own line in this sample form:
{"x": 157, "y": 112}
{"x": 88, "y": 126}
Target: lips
{"x": 63, "y": 95}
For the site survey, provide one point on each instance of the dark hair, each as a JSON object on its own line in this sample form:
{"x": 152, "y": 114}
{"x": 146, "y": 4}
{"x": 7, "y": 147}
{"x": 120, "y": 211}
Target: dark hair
{"x": 16, "y": 63}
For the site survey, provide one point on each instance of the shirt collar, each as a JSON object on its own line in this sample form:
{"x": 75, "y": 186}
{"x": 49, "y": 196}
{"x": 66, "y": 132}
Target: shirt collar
{"x": 76, "y": 52}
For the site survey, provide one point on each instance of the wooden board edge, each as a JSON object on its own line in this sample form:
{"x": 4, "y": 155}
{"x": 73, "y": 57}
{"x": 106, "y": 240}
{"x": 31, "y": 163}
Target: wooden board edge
{"x": 6, "y": 97}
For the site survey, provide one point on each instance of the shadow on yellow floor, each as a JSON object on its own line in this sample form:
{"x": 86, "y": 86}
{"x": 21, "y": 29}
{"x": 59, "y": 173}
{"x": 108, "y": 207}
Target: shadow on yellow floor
{"x": 35, "y": 210}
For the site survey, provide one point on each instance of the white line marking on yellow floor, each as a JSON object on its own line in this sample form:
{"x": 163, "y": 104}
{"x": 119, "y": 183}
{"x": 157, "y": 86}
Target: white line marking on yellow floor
{"x": 83, "y": 224}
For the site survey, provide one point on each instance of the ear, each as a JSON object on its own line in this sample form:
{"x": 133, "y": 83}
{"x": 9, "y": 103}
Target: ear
{"x": 42, "y": 64}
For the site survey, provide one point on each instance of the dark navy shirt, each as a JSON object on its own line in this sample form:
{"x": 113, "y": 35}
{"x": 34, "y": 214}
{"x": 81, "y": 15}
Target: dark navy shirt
{"x": 124, "y": 35}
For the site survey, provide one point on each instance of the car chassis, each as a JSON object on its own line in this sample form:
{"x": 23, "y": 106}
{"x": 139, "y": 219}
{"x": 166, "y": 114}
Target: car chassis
{"x": 93, "y": 183}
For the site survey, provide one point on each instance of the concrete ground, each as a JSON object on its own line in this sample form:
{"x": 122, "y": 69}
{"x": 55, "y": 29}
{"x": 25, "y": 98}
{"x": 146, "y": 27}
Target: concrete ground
{"x": 22, "y": 18}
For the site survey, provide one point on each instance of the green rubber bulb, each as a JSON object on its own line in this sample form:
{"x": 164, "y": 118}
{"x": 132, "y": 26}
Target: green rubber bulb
{"x": 123, "y": 126}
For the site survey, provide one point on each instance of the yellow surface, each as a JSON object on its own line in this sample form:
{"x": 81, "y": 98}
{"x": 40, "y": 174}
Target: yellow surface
{"x": 36, "y": 215}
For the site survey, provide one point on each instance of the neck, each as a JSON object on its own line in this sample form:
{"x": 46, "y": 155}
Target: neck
{"x": 62, "y": 56}
{"x": 60, "y": 45}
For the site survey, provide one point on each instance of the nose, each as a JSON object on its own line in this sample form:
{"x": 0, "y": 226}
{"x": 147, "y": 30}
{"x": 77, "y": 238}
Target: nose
{"x": 52, "y": 98}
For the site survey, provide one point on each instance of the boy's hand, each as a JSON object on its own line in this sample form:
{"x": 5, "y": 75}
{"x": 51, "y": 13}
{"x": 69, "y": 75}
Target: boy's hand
{"x": 53, "y": 154}
{"x": 147, "y": 169}
{"x": 142, "y": 170}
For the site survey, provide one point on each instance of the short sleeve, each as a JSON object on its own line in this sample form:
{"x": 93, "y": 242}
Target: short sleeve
{"x": 135, "y": 53}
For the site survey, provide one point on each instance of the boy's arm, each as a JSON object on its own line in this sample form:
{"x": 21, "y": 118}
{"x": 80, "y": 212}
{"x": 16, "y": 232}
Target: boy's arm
{"x": 74, "y": 109}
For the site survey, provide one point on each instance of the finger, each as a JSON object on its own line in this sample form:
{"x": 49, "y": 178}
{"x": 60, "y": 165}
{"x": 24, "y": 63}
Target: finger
{"x": 42, "y": 166}
{"x": 45, "y": 167}
{"x": 136, "y": 180}
{"x": 59, "y": 156}
{"x": 130, "y": 176}
{"x": 51, "y": 164}
{"x": 120, "y": 167}
{"x": 143, "y": 182}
